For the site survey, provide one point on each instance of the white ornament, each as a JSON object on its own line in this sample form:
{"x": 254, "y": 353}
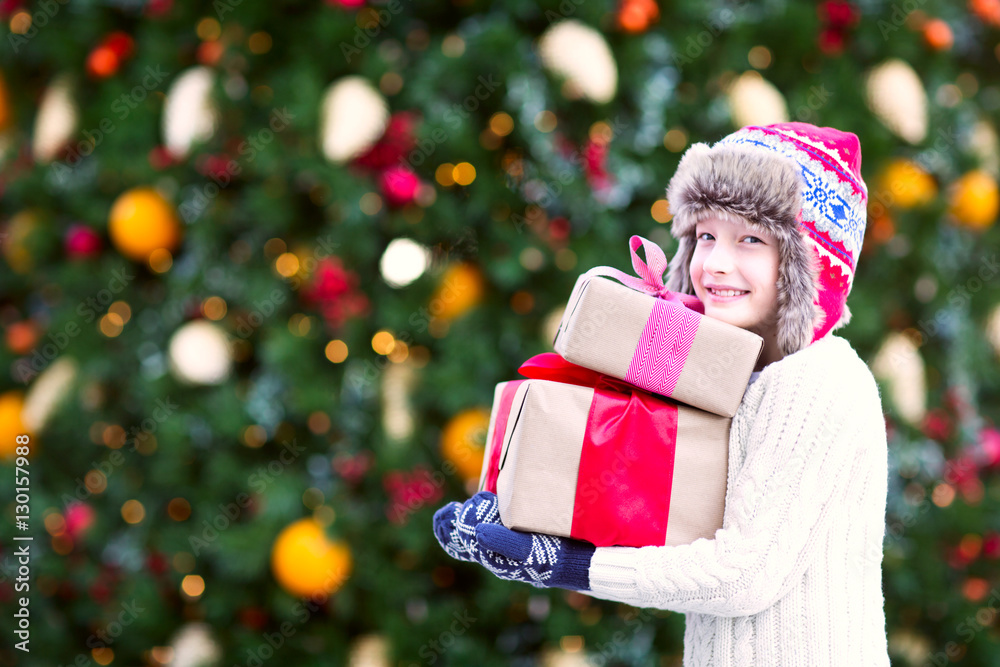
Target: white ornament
{"x": 755, "y": 101}
{"x": 993, "y": 329}
{"x": 896, "y": 96}
{"x": 200, "y": 353}
{"x": 193, "y": 646}
{"x": 397, "y": 405}
{"x": 369, "y": 651}
{"x": 353, "y": 116}
{"x": 47, "y": 392}
{"x": 56, "y": 121}
{"x": 578, "y": 53}
{"x": 403, "y": 261}
{"x": 899, "y": 364}
{"x": 189, "y": 114}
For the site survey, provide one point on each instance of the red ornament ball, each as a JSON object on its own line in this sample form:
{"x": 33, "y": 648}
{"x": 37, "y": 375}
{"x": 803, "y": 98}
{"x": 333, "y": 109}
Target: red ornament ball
{"x": 399, "y": 185}
{"x": 82, "y": 242}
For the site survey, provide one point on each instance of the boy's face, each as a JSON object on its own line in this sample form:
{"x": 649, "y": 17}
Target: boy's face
{"x": 730, "y": 254}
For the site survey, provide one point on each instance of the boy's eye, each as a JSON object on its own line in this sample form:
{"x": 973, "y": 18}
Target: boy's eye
{"x": 755, "y": 239}
{"x": 703, "y": 234}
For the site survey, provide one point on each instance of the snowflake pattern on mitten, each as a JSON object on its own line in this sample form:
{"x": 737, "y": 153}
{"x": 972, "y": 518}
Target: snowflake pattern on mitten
{"x": 473, "y": 532}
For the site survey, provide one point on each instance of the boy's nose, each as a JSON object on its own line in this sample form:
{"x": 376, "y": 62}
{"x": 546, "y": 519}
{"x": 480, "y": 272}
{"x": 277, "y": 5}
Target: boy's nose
{"x": 719, "y": 260}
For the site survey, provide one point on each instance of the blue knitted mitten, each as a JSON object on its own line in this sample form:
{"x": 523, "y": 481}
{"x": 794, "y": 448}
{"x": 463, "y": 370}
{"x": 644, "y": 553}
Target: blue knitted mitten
{"x": 473, "y": 532}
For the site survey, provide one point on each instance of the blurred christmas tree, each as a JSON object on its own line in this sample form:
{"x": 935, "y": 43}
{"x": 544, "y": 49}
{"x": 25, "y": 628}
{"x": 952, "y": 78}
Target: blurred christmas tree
{"x": 263, "y": 264}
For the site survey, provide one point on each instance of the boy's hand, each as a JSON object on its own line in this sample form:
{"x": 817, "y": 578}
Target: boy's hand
{"x": 473, "y": 532}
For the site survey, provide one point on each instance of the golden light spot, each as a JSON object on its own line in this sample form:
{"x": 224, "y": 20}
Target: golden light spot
{"x": 95, "y": 481}
{"x": 299, "y": 324}
{"x": 444, "y": 174}
{"x": 522, "y": 302}
{"x": 420, "y": 356}
{"x": 325, "y": 515}
{"x": 113, "y": 436}
{"x": 675, "y": 140}
{"x": 214, "y": 307}
{"x": 390, "y": 83}
{"x": 571, "y": 643}
{"x": 464, "y": 173}
{"x": 62, "y": 544}
{"x": 489, "y": 141}
{"x": 122, "y": 310}
{"x": 111, "y": 325}
{"x": 370, "y": 203}
{"x": 163, "y": 655}
{"x": 532, "y": 258}
{"x": 453, "y": 46}
{"x": 193, "y": 586}
{"x": 759, "y": 57}
{"x": 400, "y": 351}
{"x": 179, "y": 509}
{"x": 287, "y": 264}
{"x": 565, "y": 259}
{"x": 660, "y": 210}
{"x": 259, "y": 42}
{"x": 160, "y": 260}
{"x": 274, "y": 247}
{"x": 20, "y": 23}
{"x": 383, "y": 342}
{"x": 145, "y": 444}
{"x": 545, "y": 121}
{"x": 254, "y": 436}
{"x": 943, "y": 495}
{"x": 102, "y": 656}
{"x": 208, "y": 29}
{"x": 601, "y": 132}
{"x": 183, "y": 562}
{"x": 318, "y": 422}
{"x": 312, "y": 498}
{"x": 501, "y": 124}
{"x": 55, "y": 524}
{"x": 133, "y": 511}
{"x": 336, "y": 351}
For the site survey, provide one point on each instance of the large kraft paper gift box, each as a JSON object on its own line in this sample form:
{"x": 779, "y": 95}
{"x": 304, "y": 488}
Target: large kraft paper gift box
{"x": 656, "y": 339}
{"x": 574, "y": 453}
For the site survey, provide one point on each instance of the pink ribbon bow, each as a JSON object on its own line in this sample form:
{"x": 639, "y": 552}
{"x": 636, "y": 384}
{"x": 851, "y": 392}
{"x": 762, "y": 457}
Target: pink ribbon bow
{"x": 650, "y": 278}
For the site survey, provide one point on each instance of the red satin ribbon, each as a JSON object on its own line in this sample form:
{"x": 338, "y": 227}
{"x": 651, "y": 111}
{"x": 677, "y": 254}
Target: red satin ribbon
{"x": 499, "y": 428}
{"x": 627, "y": 463}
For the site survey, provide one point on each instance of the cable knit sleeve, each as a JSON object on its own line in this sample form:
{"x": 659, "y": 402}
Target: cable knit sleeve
{"x": 799, "y": 448}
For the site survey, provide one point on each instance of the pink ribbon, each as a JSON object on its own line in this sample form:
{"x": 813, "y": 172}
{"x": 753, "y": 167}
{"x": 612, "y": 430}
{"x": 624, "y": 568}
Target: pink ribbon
{"x": 650, "y": 278}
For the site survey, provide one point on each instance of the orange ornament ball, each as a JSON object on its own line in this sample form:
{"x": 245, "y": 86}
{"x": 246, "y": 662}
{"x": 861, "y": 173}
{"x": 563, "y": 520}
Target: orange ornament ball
{"x": 463, "y": 441}
{"x": 11, "y": 423}
{"x": 938, "y": 35}
{"x": 102, "y": 62}
{"x": 306, "y": 562}
{"x": 22, "y": 336}
{"x": 5, "y": 111}
{"x": 142, "y": 221}
{"x": 974, "y": 200}
{"x": 461, "y": 288}
{"x": 907, "y": 184}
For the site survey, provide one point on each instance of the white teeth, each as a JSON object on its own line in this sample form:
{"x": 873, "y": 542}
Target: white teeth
{"x": 728, "y": 292}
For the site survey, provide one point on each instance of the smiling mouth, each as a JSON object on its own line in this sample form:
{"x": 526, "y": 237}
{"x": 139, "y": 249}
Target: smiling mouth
{"x": 728, "y": 293}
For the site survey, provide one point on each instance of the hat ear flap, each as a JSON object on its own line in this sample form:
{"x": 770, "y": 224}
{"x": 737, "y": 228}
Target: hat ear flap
{"x": 679, "y": 271}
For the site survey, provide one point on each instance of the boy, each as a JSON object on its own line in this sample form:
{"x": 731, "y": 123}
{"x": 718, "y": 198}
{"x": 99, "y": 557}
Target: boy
{"x": 770, "y": 222}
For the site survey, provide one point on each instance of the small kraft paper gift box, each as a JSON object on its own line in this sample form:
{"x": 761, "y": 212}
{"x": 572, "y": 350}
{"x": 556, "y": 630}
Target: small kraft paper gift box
{"x": 656, "y": 339}
{"x": 574, "y": 453}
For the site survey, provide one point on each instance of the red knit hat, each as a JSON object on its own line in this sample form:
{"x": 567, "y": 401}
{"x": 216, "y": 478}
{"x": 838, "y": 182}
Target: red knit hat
{"x": 802, "y": 184}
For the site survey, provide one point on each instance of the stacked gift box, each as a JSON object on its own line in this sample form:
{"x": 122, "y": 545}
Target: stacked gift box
{"x": 621, "y": 437}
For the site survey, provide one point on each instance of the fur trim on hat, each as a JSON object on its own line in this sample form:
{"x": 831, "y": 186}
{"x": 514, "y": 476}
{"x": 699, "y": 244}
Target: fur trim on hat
{"x": 764, "y": 189}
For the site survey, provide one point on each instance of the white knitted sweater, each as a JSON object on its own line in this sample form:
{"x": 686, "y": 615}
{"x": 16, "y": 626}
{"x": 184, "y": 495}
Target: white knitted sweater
{"x": 794, "y": 576}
